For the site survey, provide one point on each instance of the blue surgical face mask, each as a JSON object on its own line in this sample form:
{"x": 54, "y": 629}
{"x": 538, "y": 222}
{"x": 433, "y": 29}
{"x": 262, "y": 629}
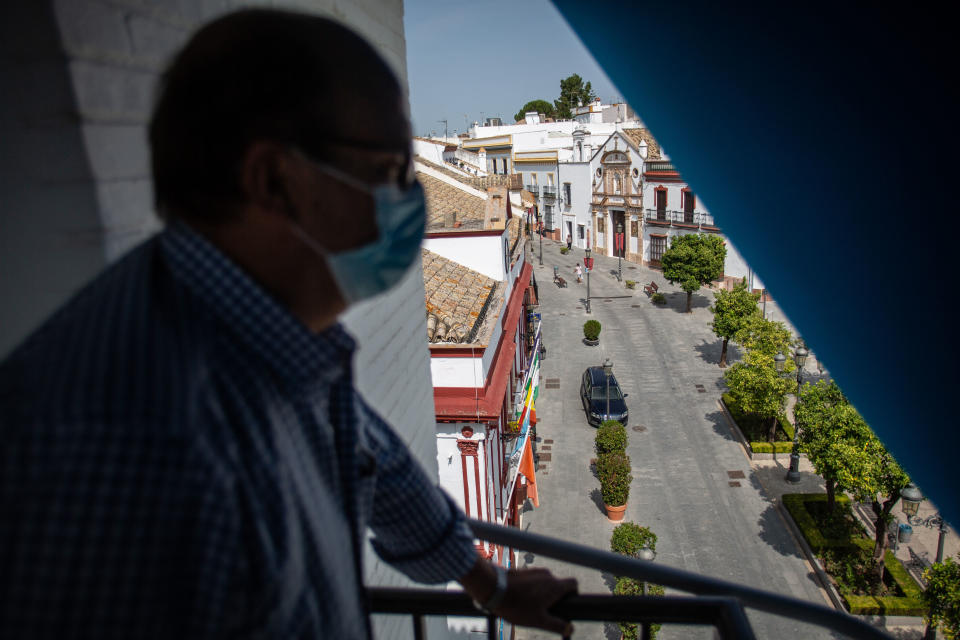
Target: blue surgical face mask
{"x": 373, "y": 268}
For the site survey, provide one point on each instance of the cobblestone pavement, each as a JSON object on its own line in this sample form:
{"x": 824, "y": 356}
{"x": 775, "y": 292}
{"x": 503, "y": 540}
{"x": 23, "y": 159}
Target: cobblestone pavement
{"x": 693, "y": 484}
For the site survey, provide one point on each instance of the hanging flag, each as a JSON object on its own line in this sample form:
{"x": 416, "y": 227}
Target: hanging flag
{"x": 527, "y": 469}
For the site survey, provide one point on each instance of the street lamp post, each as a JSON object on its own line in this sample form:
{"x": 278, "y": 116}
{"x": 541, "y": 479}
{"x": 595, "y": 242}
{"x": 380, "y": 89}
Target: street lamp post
{"x": 540, "y": 231}
{"x": 619, "y": 251}
{"x": 793, "y": 475}
{"x": 910, "y": 499}
{"x": 607, "y": 372}
{"x": 586, "y": 261}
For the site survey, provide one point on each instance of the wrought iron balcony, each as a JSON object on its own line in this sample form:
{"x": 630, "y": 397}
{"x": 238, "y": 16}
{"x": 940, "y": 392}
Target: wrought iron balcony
{"x": 680, "y": 218}
{"x": 549, "y": 191}
{"x": 716, "y": 603}
{"x": 534, "y": 189}
{"x": 660, "y": 166}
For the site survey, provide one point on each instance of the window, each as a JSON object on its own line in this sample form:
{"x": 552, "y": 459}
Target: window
{"x": 658, "y": 245}
{"x": 689, "y": 203}
{"x": 550, "y": 179}
{"x": 599, "y": 392}
{"x": 566, "y": 193}
{"x": 580, "y": 231}
{"x": 661, "y": 203}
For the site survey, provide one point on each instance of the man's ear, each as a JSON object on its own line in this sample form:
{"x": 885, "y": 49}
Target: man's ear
{"x": 264, "y": 172}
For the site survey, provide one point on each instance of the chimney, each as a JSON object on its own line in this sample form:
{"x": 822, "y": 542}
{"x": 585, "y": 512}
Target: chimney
{"x": 495, "y": 211}
{"x": 449, "y": 219}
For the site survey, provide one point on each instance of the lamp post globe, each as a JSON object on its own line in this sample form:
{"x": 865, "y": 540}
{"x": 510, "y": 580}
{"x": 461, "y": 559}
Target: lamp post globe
{"x": 647, "y": 554}
{"x": 779, "y": 360}
{"x": 910, "y": 499}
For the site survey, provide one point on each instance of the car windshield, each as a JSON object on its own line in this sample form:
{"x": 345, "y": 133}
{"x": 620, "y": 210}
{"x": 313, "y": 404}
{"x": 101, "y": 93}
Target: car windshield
{"x": 600, "y": 393}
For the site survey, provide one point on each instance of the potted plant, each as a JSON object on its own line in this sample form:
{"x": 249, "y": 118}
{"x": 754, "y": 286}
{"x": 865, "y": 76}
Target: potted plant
{"x": 629, "y": 539}
{"x": 613, "y": 469}
{"x": 564, "y": 251}
{"x": 611, "y": 437}
{"x": 591, "y": 333}
{"x": 658, "y": 298}
{"x": 631, "y": 284}
{"x": 631, "y": 587}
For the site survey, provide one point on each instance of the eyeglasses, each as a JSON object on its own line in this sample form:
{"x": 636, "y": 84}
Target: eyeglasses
{"x": 395, "y": 165}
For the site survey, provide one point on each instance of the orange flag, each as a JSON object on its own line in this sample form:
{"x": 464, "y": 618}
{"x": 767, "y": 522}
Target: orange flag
{"x": 527, "y": 469}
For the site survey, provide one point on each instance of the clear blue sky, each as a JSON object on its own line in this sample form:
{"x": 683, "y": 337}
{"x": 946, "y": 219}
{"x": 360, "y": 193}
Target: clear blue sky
{"x": 490, "y": 56}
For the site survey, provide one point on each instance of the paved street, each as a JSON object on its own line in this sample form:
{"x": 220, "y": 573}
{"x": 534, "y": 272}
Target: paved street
{"x": 692, "y": 485}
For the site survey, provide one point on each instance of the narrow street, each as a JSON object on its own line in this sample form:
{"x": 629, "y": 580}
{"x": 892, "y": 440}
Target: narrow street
{"x": 693, "y": 485}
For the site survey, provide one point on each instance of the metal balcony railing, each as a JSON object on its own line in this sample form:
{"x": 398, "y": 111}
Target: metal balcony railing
{"x": 660, "y": 166}
{"x": 534, "y": 189}
{"x": 695, "y": 218}
{"x": 549, "y": 191}
{"x": 717, "y": 603}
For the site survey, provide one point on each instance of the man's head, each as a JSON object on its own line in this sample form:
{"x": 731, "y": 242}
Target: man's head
{"x": 270, "y": 121}
{"x": 284, "y": 78}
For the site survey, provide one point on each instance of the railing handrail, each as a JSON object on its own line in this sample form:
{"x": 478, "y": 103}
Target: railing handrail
{"x": 647, "y": 571}
{"x": 725, "y": 613}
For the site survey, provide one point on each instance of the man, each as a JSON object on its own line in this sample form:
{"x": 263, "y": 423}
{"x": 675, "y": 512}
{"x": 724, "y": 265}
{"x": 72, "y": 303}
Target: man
{"x": 184, "y": 454}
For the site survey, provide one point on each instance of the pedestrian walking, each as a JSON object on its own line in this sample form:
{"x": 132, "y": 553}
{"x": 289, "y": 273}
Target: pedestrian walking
{"x": 579, "y": 273}
{"x": 185, "y": 454}
{"x": 569, "y": 242}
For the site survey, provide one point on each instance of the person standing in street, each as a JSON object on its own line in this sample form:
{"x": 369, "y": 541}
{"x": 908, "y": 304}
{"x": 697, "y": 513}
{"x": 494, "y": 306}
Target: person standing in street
{"x": 569, "y": 242}
{"x": 184, "y": 452}
{"x": 577, "y": 270}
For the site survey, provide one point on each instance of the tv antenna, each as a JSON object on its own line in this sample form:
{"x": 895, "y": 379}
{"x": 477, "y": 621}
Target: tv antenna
{"x": 444, "y": 127}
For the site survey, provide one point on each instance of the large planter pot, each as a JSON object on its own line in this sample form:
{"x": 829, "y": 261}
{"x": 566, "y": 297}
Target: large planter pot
{"x": 615, "y": 514}
{"x": 591, "y": 343}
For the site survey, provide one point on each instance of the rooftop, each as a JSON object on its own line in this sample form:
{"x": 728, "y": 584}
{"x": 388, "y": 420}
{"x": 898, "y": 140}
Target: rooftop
{"x": 449, "y": 207}
{"x": 458, "y": 301}
{"x": 653, "y": 147}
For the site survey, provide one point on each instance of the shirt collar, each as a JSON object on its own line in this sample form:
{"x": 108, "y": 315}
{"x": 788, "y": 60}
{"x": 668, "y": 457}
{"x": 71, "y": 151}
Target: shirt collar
{"x": 286, "y": 345}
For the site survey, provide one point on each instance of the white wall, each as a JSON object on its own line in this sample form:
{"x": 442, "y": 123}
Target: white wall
{"x": 480, "y": 253}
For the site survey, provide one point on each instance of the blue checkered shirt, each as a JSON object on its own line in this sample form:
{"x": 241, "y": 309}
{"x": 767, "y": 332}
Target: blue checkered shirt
{"x": 181, "y": 458}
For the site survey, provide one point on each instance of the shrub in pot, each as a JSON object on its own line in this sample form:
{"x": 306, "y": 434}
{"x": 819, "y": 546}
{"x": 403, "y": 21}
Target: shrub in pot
{"x": 633, "y": 587}
{"x": 591, "y": 330}
{"x": 629, "y": 538}
{"x": 613, "y": 470}
{"x": 564, "y": 251}
{"x": 611, "y": 437}
{"x": 630, "y": 283}
{"x": 658, "y": 298}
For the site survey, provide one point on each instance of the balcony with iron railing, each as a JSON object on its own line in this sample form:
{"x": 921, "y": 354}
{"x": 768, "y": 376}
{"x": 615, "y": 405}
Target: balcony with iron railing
{"x": 660, "y": 167}
{"x": 695, "y": 219}
{"x": 549, "y": 191}
{"x": 534, "y": 189}
{"x": 716, "y": 603}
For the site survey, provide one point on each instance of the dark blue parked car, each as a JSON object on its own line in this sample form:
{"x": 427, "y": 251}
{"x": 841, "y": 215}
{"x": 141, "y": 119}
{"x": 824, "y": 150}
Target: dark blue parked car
{"x": 593, "y": 393}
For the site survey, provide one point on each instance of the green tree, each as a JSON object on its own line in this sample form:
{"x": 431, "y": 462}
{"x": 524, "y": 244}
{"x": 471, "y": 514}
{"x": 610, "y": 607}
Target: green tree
{"x": 693, "y": 260}
{"x": 880, "y": 486}
{"x": 758, "y": 388}
{"x": 756, "y": 333}
{"x": 730, "y": 309}
{"x": 942, "y": 596}
{"x": 832, "y": 434}
{"x": 573, "y": 91}
{"x": 540, "y": 106}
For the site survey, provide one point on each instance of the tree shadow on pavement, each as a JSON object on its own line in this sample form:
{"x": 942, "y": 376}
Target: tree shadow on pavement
{"x": 774, "y": 532}
{"x": 720, "y": 425}
{"x": 709, "y": 352}
{"x": 677, "y": 301}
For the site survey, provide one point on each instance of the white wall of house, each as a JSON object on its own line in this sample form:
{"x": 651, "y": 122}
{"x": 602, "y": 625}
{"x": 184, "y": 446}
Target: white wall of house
{"x": 480, "y": 253}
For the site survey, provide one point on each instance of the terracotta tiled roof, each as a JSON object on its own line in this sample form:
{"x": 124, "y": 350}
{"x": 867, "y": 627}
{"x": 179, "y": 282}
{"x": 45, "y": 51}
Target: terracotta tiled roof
{"x": 444, "y": 170}
{"x": 653, "y": 147}
{"x": 445, "y": 201}
{"x": 457, "y": 299}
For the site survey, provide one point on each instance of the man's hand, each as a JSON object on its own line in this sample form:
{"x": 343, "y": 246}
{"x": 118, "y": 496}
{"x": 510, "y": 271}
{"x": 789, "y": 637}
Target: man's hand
{"x": 530, "y": 593}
